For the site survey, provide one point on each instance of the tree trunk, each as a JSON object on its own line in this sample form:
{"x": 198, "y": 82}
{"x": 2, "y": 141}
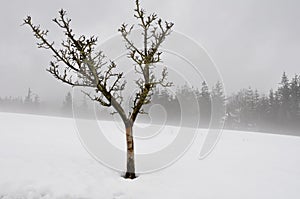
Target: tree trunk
{"x": 130, "y": 173}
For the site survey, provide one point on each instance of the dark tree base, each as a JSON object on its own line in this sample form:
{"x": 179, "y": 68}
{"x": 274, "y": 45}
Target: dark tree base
{"x": 129, "y": 175}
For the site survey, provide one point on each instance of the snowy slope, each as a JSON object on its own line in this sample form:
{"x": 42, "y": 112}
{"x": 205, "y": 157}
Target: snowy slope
{"x": 42, "y": 157}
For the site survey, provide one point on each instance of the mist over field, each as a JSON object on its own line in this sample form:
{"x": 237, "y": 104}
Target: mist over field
{"x": 252, "y": 42}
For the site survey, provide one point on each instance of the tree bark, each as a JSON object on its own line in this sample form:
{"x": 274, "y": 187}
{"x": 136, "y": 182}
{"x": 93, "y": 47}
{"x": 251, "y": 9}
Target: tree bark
{"x": 130, "y": 173}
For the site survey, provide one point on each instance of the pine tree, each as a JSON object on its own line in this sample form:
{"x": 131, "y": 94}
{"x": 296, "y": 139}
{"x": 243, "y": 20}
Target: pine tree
{"x": 67, "y": 104}
{"x": 205, "y": 105}
{"x": 271, "y": 109}
{"x": 295, "y": 98}
{"x": 284, "y": 93}
{"x": 36, "y": 102}
{"x": 249, "y": 108}
{"x": 205, "y": 91}
{"x": 250, "y": 99}
{"x": 256, "y": 99}
{"x": 28, "y": 99}
{"x": 218, "y": 105}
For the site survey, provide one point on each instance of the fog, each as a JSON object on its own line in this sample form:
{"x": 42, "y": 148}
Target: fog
{"x": 251, "y": 42}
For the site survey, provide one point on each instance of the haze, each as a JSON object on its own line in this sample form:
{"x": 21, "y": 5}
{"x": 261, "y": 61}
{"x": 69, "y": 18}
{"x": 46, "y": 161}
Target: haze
{"x": 252, "y": 42}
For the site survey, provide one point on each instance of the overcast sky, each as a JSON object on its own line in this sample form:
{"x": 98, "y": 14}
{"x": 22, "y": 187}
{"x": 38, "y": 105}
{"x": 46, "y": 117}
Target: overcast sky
{"x": 251, "y": 41}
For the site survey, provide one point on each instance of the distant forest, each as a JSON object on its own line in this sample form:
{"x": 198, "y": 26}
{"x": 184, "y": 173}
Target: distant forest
{"x": 276, "y": 112}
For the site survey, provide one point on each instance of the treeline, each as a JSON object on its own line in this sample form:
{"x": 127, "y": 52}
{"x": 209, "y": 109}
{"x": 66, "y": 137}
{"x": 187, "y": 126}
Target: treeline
{"x": 31, "y": 103}
{"x": 28, "y": 104}
{"x": 279, "y": 111}
{"x": 275, "y": 112}
{"x": 189, "y": 106}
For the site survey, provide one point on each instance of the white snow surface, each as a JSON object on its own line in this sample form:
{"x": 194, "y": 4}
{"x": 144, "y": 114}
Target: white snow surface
{"x": 42, "y": 157}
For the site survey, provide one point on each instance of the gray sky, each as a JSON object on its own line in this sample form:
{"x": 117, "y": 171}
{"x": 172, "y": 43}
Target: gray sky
{"x": 251, "y": 41}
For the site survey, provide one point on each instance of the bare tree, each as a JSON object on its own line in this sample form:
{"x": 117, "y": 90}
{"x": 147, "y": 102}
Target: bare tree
{"x": 77, "y": 63}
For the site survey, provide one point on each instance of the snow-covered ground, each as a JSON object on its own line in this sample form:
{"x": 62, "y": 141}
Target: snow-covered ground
{"x": 42, "y": 157}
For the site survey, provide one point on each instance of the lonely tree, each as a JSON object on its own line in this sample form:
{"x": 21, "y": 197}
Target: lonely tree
{"x": 77, "y": 63}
